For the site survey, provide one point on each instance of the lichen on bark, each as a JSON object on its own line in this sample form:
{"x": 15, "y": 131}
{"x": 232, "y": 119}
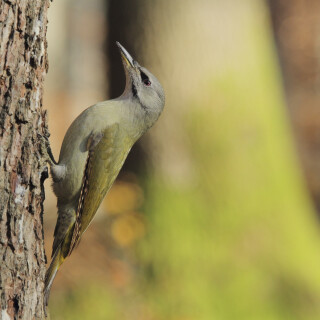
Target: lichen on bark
{"x": 23, "y": 65}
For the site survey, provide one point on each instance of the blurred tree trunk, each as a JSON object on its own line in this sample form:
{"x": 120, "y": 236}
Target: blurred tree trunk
{"x": 296, "y": 26}
{"x": 227, "y": 225}
{"x": 125, "y": 26}
{"x": 23, "y": 65}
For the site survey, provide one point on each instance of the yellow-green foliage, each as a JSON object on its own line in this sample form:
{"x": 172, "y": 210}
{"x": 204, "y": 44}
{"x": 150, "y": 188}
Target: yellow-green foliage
{"x": 241, "y": 242}
{"x": 86, "y": 302}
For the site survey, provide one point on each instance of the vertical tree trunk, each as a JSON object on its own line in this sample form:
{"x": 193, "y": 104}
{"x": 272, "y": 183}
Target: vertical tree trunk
{"x": 23, "y": 64}
{"x": 125, "y": 24}
{"x": 296, "y": 28}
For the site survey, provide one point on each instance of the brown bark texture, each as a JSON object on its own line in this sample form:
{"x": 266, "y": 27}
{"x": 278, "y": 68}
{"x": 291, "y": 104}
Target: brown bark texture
{"x": 23, "y": 65}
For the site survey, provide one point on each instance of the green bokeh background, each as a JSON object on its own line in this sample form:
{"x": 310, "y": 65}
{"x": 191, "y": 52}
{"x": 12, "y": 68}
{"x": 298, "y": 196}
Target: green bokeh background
{"x": 239, "y": 239}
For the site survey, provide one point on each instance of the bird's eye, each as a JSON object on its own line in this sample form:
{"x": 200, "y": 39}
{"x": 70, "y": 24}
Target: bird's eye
{"x": 145, "y": 79}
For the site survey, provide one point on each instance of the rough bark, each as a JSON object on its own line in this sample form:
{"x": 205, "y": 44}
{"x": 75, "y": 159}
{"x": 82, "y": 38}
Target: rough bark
{"x": 23, "y": 64}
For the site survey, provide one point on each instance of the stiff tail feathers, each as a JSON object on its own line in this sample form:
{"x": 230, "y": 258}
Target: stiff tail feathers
{"x": 58, "y": 257}
{"x": 55, "y": 264}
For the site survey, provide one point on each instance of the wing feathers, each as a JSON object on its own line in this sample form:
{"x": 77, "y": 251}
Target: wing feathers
{"x": 95, "y": 182}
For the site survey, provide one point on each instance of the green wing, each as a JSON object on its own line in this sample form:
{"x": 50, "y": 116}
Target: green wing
{"x": 105, "y": 159}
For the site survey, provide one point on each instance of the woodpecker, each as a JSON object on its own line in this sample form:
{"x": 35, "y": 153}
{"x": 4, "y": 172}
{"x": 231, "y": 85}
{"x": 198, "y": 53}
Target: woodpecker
{"x": 93, "y": 152}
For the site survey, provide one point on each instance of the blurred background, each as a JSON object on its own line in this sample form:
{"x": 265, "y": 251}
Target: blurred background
{"x": 215, "y": 214}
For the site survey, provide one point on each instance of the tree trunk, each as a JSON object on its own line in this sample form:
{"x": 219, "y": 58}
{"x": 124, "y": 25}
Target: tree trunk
{"x": 23, "y": 64}
{"x": 125, "y": 24}
{"x": 296, "y": 27}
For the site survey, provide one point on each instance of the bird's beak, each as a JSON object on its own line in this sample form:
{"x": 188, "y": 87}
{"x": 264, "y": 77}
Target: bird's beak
{"x": 126, "y": 57}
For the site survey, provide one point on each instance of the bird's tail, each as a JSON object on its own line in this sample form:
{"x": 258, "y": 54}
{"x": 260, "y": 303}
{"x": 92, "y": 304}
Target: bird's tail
{"x": 55, "y": 264}
{"x": 60, "y": 254}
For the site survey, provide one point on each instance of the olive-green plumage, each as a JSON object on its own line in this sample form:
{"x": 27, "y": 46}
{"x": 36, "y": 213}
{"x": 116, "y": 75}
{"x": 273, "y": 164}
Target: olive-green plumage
{"x": 93, "y": 152}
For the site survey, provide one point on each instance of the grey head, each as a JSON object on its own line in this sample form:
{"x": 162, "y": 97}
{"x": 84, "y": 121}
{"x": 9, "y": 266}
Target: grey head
{"x": 142, "y": 86}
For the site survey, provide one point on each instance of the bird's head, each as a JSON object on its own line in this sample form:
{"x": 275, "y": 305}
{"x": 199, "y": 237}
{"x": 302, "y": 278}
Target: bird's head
{"x": 142, "y": 85}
